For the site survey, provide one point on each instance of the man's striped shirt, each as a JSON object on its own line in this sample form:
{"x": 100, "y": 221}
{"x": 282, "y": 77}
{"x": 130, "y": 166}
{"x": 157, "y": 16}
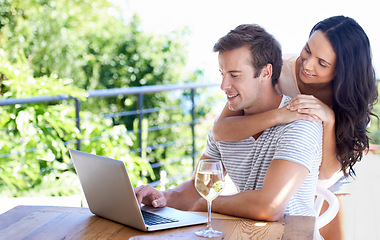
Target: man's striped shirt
{"x": 247, "y": 161}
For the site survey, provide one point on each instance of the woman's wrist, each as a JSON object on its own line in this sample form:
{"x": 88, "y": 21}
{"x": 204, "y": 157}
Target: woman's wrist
{"x": 330, "y": 122}
{"x": 279, "y": 116}
{"x": 276, "y": 116}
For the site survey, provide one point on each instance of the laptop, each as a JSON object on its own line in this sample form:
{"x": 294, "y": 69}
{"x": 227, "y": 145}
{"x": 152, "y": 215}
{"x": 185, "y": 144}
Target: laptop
{"x": 109, "y": 194}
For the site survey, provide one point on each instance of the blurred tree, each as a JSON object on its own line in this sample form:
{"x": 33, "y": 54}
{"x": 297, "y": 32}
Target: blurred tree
{"x": 63, "y": 46}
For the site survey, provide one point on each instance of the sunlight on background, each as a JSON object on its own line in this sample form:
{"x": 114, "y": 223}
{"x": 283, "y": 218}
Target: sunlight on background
{"x": 289, "y": 21}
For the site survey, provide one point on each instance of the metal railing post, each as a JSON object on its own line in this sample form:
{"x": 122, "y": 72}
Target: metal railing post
{"x": 193, "y": 125}
{"x": 77, "y": 119}
{"x": 140, "y": 112}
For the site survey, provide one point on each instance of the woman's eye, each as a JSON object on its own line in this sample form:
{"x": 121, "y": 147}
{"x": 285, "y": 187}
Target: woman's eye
{"x": 322, "y": 64}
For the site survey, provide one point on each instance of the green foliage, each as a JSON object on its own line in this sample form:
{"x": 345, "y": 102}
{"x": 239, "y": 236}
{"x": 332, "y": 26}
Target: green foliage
{"x": 53, "y": 34}
{"x": 66, "y": 47}
{"x": 46, "y": 129}
{"x": 20, "y": 83}
{"x": 374, "y": 128}
{"x": 34, "y": 126}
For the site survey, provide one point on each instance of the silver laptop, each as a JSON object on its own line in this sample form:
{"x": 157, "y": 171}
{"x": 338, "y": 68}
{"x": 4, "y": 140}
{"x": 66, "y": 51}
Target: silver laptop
{"x": 109, "y": 194}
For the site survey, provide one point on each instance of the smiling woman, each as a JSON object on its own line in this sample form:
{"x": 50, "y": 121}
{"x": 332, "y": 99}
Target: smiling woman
{"x": 318, "y": 58}
{"x": 316, "y": 68}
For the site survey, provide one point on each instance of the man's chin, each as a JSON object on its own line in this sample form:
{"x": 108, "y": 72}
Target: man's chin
{"x": 232, "y": 108}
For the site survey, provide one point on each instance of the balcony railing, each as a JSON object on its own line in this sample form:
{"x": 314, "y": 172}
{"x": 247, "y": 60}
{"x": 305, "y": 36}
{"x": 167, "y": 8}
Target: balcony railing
{"x": 139, "y": 112}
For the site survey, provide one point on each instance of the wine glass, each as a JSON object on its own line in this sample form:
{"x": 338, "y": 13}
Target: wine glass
{"x": 209, "y": 183}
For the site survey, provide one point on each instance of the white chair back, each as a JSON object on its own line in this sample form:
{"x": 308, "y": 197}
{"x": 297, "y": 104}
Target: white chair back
{"x": 323, "y": 194}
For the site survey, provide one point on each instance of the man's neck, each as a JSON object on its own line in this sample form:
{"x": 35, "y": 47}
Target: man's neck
{"x": 269, "y": 102}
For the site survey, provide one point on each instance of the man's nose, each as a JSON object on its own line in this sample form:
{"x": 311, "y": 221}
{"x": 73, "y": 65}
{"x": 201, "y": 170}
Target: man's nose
{"x": 226, "y": 84}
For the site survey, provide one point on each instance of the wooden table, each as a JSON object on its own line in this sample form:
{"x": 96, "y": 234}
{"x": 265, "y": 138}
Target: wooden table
{"x": 49, "y": 222}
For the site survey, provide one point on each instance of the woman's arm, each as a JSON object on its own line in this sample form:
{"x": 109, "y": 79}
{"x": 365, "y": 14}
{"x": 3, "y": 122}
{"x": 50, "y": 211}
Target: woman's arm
{"x": 233, "y": 126}
{"x": 330, "y": 164}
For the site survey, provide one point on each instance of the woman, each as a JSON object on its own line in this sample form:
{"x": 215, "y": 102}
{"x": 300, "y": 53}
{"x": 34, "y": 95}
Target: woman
{"x": 332, "y": 81}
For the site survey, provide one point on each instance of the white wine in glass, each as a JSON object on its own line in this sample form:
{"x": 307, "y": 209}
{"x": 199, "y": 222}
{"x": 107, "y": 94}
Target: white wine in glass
{"x": 209, "y": 183}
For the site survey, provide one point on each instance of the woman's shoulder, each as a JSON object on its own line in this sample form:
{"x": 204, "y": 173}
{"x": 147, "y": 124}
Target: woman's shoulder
{"x": 288, "y": 67}
{"x": 287, "y": 83}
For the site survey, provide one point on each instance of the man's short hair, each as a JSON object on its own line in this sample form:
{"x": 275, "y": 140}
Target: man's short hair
{"x": 264, "y": 47}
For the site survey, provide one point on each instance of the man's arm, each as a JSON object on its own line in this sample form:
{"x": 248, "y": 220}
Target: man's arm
{"x": 281, "y": 181}
{"x": 181, "y": 197}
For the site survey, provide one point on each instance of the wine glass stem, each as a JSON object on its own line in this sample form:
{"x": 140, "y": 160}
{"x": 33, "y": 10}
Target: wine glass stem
{"x": 209, "y": 214}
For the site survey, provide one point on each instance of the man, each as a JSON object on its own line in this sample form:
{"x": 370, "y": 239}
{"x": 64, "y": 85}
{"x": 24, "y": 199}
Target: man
{"x": 275, "y": 171}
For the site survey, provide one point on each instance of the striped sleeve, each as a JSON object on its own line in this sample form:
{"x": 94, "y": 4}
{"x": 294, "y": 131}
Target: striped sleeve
{"x": 300, "y": 142}
{"x": 212, "y": 150}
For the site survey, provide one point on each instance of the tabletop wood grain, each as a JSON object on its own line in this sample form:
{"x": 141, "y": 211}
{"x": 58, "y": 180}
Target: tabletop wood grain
{"x": 49, "y": 222}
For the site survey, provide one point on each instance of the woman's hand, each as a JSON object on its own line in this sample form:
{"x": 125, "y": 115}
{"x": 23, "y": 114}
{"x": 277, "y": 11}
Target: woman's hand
{"x": 285, "y": 115}
{"x": 312, "y": 106}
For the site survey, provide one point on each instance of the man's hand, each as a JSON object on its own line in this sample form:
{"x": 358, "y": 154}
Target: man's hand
{"x": 150, "y": 196}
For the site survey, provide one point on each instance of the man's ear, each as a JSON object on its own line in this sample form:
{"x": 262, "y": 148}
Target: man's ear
{"x": 266, "y": 72}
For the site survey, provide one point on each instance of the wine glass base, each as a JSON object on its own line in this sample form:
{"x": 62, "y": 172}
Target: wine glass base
{"x": 209, "y": 233}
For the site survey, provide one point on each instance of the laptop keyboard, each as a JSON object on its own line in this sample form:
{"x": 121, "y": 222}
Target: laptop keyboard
{"x": 154, "y": 219}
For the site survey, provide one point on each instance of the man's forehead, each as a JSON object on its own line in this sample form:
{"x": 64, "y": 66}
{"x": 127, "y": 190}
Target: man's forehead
{"x": 235, "y": 60}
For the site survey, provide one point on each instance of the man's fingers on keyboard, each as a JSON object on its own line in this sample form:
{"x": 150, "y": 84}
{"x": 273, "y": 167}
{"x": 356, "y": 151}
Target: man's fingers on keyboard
{"x": 138, "y": 189}
{"x": 148, "y": 195}
{"x": 159, "y": 202}
{"x": 141, "y": 192}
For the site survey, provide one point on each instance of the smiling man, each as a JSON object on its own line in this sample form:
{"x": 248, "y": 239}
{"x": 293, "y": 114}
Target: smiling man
{"x": 275, "y": 171}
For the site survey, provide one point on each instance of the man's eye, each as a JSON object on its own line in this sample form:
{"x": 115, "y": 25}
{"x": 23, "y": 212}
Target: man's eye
{"x": 234, "y": 75}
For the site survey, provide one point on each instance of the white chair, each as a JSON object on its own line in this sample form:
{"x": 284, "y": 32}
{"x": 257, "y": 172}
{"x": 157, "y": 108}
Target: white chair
{"x": 323, "y": 194}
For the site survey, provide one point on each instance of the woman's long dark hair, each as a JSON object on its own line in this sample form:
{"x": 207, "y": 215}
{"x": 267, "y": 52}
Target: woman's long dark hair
{"x": 354, "y": 88}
